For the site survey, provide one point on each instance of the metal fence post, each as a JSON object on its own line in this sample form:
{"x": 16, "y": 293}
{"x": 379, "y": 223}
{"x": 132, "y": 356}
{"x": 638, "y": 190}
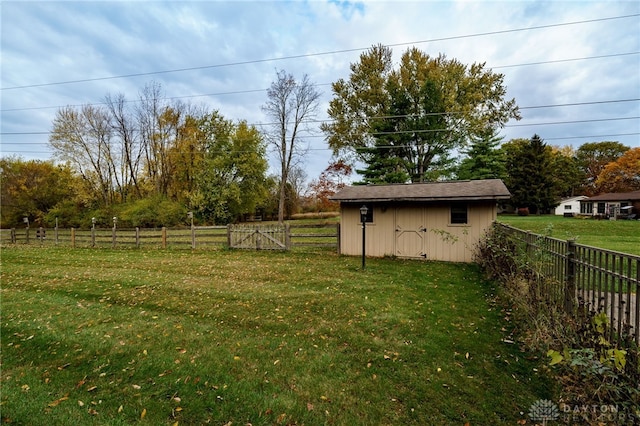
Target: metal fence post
{"x": 570, "y": 278}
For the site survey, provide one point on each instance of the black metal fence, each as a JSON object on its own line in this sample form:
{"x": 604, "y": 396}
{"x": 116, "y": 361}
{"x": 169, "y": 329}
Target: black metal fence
{"x": 578, "y": 277}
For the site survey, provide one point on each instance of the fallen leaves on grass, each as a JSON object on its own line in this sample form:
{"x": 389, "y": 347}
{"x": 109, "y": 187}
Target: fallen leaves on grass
{"x": 58, "y": 401}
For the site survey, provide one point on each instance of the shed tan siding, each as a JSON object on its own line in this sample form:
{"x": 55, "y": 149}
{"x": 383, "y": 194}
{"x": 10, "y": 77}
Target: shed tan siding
{"x": 416, "y": 230}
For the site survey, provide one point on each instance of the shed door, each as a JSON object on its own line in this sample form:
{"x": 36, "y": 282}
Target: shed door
{"x": 410, "y": 232}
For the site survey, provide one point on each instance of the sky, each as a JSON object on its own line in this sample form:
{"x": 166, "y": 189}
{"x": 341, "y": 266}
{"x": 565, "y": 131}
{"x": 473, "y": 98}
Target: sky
{"x": 573, "y": 67}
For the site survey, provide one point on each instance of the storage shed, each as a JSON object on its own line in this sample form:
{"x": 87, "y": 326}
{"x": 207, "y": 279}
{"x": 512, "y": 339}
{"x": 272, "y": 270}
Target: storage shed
{"x": 436, "y": 220}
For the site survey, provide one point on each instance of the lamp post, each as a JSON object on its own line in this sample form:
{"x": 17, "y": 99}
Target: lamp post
{"x": 363, "y": 218}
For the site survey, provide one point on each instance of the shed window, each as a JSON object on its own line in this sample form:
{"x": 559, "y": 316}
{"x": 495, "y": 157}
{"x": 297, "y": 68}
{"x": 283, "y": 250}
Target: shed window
{"x": 567, "y": 206}
{"x": 459, "y": 214}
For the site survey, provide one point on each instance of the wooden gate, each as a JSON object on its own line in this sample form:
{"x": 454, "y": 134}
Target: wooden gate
{"x": 259, "y": 237}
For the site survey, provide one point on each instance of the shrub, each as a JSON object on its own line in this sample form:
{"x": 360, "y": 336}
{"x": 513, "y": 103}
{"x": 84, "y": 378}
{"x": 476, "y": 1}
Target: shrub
{"x": 152, "y": 213}
{"x": 591, "y": 369}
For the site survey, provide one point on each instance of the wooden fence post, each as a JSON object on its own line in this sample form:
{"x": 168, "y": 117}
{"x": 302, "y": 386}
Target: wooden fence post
{"x": 137, "y": 237}
{"x": 13, "y": 235}
{"x": 258, "y": 236}
{"x": 229, "y": 235}
{"x": 73, "y": 237}
{"x": 338, "y": 235}
{"x": 164, "y": 237}
{"x": 287, "y": 236}
{"x": 570, "y": 279}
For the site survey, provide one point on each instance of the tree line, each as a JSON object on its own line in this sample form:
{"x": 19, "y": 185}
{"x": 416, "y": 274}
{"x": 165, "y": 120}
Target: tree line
{"x": 151, "y": 160}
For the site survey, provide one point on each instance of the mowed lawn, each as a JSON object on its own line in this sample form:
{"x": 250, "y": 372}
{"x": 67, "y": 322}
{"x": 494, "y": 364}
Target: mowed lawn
{"x": 111, "y": 337}
{"x": 617, "y": 235}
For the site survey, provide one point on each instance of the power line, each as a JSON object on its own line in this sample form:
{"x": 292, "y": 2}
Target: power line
{"x": 567, "y": 60}
{"x": 402, "y": 115}
{"x": 308, "y": 55}
{"x": 391, "y": 146}
{"x": 241, "y": 92}
{"x": 395, "y": 132}
{"x": 593, "y": 120}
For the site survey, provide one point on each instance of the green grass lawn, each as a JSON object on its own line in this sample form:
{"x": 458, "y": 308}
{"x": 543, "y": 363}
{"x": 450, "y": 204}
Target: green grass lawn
{"x": 617, "y": 235}
{"x": 179, "y": 337}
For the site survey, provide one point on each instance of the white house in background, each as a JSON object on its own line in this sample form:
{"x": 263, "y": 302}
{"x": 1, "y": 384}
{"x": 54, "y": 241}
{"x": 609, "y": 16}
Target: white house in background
{"x": 570, "y": 205}
{"x": 612, "y": 205}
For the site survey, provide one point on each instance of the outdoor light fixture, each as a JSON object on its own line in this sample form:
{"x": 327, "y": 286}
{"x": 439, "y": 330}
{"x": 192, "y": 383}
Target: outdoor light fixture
{"x": 363, "y": 213}
{"x": 363, "y": 219}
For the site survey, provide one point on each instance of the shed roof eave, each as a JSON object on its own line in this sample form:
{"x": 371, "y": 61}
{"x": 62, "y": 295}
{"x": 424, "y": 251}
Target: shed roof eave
{"x": 418, "y": 200}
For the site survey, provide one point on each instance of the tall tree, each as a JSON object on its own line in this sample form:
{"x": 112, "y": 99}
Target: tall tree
{"x": 125, "y": 128}
{"x": 232, "y": 179}
{"x": 418, "y": 114}
{"x": 529, "y": 164}
{"x": 567, "y": 176}
{"x": 291, "y": 105}
{"x": 592, "y": 157}
{"x": 622, "y": 175}
{"x": 31, "y": 188}
{"x": 84, "y": 139}
{"x": 186, "y": 156}
{"x": 484, "y": 158}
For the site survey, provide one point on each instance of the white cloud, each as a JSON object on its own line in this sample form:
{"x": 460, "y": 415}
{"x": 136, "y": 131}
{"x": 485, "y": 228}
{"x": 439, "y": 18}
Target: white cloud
{"x": 48, "y": 42}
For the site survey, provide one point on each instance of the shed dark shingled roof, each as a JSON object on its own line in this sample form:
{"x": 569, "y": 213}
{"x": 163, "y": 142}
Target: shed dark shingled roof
{"x": 487, "y": 189}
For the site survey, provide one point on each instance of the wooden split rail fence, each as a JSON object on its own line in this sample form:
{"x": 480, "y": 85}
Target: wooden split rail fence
{"x": 257, "y": 237}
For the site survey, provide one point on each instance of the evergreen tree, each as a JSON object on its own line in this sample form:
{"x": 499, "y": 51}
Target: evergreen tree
{"x": 530, "y": 172}
{"x": 484, "y": 158}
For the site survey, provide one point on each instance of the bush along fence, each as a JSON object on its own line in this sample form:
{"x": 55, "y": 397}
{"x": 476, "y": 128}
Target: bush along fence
{"x": 579, "y": 278}
{"x": 579, "y": 304}
{"x": 256, "y": 237}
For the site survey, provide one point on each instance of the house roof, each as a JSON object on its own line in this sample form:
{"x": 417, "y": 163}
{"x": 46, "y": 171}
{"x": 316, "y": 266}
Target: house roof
{"x": 617, "y": 196}
{"x": 467, "y": 190}
{"x": 571, "y": 199}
